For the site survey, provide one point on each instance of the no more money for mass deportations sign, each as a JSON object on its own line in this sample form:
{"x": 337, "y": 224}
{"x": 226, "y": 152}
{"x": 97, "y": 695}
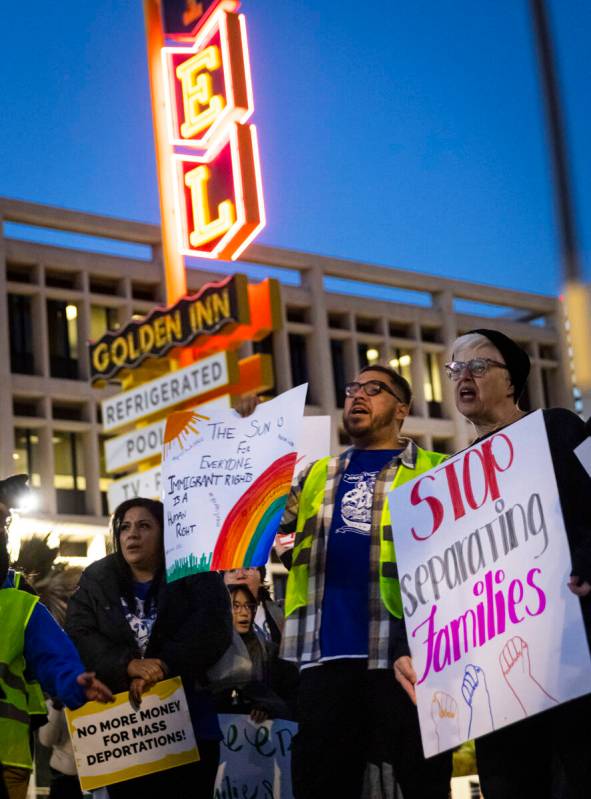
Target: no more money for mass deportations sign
{"x": 113, "y": 743}
{"x": 225, "y": 483}
{"x": 483, "y": 560}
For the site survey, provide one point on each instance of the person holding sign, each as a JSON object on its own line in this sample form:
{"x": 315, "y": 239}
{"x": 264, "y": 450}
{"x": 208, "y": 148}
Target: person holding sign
{"x": 489, "y": 373}
{"x": 343, "y": 598}
{"x": 32, "y": 646}
{"x": 135, "y": 630}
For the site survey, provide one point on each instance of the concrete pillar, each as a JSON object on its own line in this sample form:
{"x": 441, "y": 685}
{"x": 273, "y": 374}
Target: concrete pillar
{"x": 92, "y": 472}
{"x": 281, "y": 363}
{"x": 40, "y": 334}
{"x": 6, "y": 419}
{"x": 47, "y": 493}
{"x": 418, "y": 374}
{"x": 443, "y": 301}
{"x": 319, "y": 360}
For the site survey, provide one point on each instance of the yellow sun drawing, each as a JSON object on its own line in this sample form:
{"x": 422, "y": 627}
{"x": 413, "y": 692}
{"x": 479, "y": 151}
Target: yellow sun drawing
{"x": 179, "y": 425}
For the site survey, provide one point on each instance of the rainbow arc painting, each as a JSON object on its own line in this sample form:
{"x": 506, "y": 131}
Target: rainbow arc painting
{"x": 226, "y": 480}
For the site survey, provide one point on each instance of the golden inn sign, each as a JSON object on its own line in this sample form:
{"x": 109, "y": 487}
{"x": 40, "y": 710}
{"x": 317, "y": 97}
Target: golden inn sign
{"x": 230, "y": 307}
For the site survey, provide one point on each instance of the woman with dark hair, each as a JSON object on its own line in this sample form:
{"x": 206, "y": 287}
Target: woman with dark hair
{"x": 250, "y": 678}
{"x": 135, "y": 630}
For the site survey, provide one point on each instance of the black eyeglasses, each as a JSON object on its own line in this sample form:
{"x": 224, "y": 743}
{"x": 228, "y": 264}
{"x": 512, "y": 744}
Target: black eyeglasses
{"x": 370, "y": 388}
{"x": 238, "y": 606}
{"x": 477, "y": 367}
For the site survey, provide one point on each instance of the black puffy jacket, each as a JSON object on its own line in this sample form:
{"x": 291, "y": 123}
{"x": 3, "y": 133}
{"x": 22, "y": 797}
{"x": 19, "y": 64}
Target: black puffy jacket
{"x": 192, "y": 630}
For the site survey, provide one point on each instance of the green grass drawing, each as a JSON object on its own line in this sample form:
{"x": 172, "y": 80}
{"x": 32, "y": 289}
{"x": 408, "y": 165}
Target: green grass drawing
{"x": 183, "y": 567}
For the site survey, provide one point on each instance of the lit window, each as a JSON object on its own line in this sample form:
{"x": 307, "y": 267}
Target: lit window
{"x": 401, "y": 361}
{"x": 62, "y": 327}
{"x": 432, "y": 385}
{"x": 101, "y": 320}
{"x": 26, "y": 454}
{"x": 69, "y": 479}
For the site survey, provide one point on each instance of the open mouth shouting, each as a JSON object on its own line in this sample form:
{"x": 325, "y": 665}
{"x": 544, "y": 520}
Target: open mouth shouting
{"x": 467, "y": 393}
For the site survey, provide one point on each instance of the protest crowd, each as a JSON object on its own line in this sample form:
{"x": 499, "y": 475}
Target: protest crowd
{"x": 335, "y": 658}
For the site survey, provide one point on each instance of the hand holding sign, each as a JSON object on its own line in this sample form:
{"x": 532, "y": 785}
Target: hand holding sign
{"x": 95, "y": 690}
{"x": 406, "y": 676}
{"x": 149, "y": 669}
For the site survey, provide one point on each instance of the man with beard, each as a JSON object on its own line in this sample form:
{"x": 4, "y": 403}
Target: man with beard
{"x": 489, "y": 373}
{"x": 343, "y": 601}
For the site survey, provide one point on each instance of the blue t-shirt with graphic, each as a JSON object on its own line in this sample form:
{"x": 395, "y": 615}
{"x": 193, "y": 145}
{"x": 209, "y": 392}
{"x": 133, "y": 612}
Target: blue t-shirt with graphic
{"x": 345, "y": 606}
{"x": 141, "y": 618}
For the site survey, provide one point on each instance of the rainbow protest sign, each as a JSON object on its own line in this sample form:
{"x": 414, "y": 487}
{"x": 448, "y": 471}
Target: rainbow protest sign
{"x": 225, "y": 481}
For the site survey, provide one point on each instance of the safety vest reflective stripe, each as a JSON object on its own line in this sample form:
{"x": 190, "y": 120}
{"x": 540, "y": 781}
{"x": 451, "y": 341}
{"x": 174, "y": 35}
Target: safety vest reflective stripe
{"x": 302, "y": 558}
{"x": 389, "y": 570}
{"x": 14, "y": 714}
{"x": 11, "y": 679}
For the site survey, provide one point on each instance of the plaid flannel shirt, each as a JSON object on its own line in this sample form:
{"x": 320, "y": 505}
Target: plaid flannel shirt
{"x": 301, "y": 634}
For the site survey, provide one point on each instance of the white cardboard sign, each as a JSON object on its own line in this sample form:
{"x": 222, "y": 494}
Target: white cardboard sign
{"x": 583, "y": 453}
{"x": 483, "y": 561}
{"x": 225, "y": 484}
{"x": 117, "y": 742}
{"x": 315, "y": 443}
{"x": 255, "y": 759}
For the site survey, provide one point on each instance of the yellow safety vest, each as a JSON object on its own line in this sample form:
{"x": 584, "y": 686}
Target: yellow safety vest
{"x": 311, "y": 502}
{"x": 16, "y": 608}
{"x": 35, "y": 697}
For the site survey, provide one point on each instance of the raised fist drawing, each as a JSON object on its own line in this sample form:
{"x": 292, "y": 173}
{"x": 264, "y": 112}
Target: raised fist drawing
{"x": 444, "y": 712}
{"x": 516, "y": 667}
{"x": 477, "y": 697}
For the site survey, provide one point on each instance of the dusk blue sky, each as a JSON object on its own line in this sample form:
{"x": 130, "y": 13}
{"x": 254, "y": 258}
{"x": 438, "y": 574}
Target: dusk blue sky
{"x": 408, "y": 134}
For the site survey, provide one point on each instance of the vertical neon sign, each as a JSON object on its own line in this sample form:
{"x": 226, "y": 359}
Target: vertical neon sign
{"x": 208, "y": 98}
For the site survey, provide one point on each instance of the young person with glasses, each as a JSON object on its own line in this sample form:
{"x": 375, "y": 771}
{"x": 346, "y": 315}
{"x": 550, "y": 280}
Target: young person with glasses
{"x": 250, "y": 678}
{"x": 343, "y": 603}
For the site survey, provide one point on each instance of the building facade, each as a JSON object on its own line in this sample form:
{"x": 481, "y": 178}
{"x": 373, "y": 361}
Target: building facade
{"x": 338, "y": 315}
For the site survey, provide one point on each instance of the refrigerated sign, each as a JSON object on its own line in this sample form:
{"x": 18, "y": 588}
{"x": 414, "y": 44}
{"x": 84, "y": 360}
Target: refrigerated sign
{"x": 196, "y": 380}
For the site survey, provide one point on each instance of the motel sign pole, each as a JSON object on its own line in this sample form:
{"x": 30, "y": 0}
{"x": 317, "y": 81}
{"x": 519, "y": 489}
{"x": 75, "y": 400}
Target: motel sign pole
{"x": 174, "y": 262}
{"x": 206, "y": 147}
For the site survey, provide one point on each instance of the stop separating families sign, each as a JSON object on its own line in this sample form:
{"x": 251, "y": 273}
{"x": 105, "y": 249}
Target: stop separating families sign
{"x": 483, "y": 560}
